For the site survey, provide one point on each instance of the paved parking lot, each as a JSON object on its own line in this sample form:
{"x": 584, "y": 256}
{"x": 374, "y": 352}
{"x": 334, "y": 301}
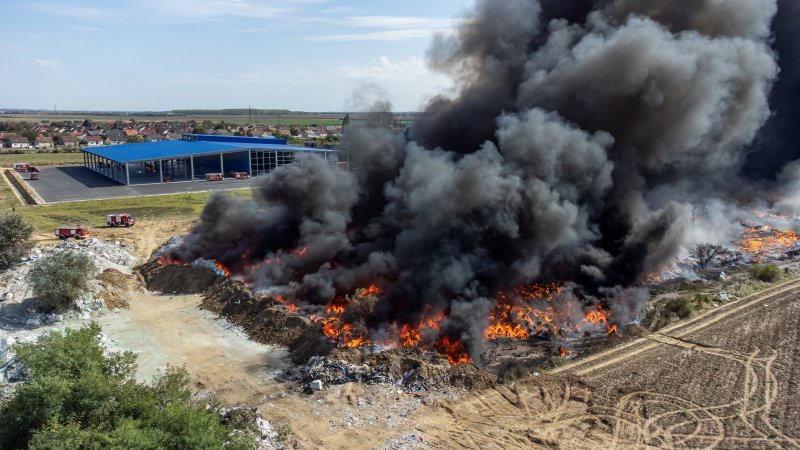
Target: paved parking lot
{"x": 70, "y": 183}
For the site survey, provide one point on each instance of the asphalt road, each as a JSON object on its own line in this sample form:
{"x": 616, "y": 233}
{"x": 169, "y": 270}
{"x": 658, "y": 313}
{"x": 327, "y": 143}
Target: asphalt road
{"x": 71, "y": 183}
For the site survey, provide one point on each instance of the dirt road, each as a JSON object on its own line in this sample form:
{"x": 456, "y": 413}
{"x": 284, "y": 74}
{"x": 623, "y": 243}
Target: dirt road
{"x": 173, "y": 330}
{"x": 725, "y": 380}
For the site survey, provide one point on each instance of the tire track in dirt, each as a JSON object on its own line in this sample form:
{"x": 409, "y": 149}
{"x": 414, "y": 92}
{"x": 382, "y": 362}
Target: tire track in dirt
{"x": 562, "y": 412}
{"x": 592, "y": 364}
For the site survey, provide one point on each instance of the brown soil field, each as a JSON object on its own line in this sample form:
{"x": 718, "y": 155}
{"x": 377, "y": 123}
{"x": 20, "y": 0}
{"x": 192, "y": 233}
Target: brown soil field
{"x": 728, "y": 379}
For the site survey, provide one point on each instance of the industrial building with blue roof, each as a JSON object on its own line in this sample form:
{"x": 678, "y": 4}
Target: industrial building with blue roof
{"x": 196, "y": 156}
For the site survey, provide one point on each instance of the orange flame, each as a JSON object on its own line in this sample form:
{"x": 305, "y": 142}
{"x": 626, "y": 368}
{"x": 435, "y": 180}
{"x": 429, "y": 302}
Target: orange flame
{"x": 765, "y": 241}
{"x": 454, "y": 350}
{"x": 168, "y": 260}
{"x": 221, "y": 267}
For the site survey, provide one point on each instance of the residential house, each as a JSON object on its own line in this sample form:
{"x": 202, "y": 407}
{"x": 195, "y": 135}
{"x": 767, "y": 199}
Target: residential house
{"x": 116, "y": 137}
{"x": 20, "y": 142}
{"x": 173, "y": 136}
{"x": 43, "y": 142}
{"x": 130, "y": 132}
{"x": 153, "y": 138}
{"x": 148, "y": 132}
{"x": 66, "y": 141}
{"x": 93, "y": 141}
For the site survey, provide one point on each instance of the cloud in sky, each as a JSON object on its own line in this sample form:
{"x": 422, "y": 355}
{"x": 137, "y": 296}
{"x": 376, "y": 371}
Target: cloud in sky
{"x": 48, "y": 63}
{"x": 296, "y": 54}
{"x": 395, "y": 28}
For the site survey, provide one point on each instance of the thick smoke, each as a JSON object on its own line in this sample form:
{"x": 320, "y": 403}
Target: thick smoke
{"x": 581, "y": 135}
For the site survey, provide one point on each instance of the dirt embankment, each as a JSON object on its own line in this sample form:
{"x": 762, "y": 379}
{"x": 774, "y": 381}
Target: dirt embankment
{"x": 118, "y": 288}
{"x": 264, "y": 320}
{"x": 29, "y": 195}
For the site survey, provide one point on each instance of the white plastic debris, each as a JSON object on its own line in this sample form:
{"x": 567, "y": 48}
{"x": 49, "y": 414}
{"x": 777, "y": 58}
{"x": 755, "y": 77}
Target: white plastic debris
{"x": 316, "y": 385}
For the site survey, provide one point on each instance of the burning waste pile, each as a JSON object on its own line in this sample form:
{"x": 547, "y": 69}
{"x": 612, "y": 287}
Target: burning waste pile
{"x": 533, "y": 202}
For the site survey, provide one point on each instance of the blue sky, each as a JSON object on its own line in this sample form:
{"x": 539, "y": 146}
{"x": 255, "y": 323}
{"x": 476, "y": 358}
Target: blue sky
{"x": 307, "y": 55}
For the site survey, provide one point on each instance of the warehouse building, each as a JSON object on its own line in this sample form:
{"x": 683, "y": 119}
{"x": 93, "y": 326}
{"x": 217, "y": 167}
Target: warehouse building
{"x": 197, "y": 157}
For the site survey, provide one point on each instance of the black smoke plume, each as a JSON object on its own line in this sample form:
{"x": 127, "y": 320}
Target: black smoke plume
{"x": 580, "y": 133}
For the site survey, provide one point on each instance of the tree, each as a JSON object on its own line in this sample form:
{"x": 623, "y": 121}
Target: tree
{"x": 294, "y": 131}
{"x": 706, "y": 254}
{"x": 77, "y": 396}
{"x": 14, "y": 235}
{"x": 346, "y": 120}
{"x": 60, "y": 278}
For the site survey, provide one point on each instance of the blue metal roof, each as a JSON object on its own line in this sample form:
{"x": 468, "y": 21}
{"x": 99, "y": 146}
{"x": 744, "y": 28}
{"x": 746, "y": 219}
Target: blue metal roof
{"x": 150, "y": 151}
{"x": 226, "y": 138}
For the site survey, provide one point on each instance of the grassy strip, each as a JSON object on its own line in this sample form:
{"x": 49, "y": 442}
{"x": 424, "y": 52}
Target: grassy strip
{"x": 41, "y": 159}
{"x": 93, "y": 212}
{"x": 325, "y": 119}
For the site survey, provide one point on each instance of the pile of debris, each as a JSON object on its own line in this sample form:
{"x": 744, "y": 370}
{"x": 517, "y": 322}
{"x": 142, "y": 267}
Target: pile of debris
{"x": 265, "y": 320}
{"x": 412, "y": 370}
{"x": 174, "y": 279}
{"x": 16, "y": 305}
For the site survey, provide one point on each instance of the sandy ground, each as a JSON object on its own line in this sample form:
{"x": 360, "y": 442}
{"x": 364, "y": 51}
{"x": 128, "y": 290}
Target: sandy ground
{"x": 223, "y": 363}
{"x": 173, "y": 330}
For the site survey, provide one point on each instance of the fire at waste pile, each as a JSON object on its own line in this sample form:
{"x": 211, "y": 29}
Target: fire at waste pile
{"x": 529, "y": 204}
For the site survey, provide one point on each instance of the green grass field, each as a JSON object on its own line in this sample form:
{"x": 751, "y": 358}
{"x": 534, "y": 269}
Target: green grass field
{"x": 300, "y": 120}
{"x": 92, "y": 212}
{"x": 41, "y": 159}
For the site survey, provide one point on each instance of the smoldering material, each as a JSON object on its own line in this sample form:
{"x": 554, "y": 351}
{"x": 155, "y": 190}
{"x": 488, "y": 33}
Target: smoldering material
{"x": 579, "y": 137}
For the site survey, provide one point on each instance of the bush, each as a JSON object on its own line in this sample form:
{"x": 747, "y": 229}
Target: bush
{"x": 60, "y": 278}
{"x": 76, "y": 397}
{"x": 512, "y": 370}
{"x": 14, "y": 235}
{"x": 768, "y": 273}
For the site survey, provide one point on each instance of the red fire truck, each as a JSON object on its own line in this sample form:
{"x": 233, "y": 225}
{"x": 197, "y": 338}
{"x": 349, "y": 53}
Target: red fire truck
{"x": 241, "y": 175}
{"x": 120, "y": 220}
{"x": 21, "y": 166}
{"x": 68, "y": 232}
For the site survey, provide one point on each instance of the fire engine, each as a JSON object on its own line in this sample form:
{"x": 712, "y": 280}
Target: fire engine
{"x": 241, "y": 175}
{"x": 21, "y": 166}
{"x": 68, "y": 232}
{"x": 119, "y": 220}
{"x": 214, "y": 177}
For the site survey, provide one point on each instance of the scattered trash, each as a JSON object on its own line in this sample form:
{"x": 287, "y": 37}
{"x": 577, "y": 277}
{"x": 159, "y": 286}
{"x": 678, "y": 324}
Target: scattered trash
{"x": 316, "y": 385}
